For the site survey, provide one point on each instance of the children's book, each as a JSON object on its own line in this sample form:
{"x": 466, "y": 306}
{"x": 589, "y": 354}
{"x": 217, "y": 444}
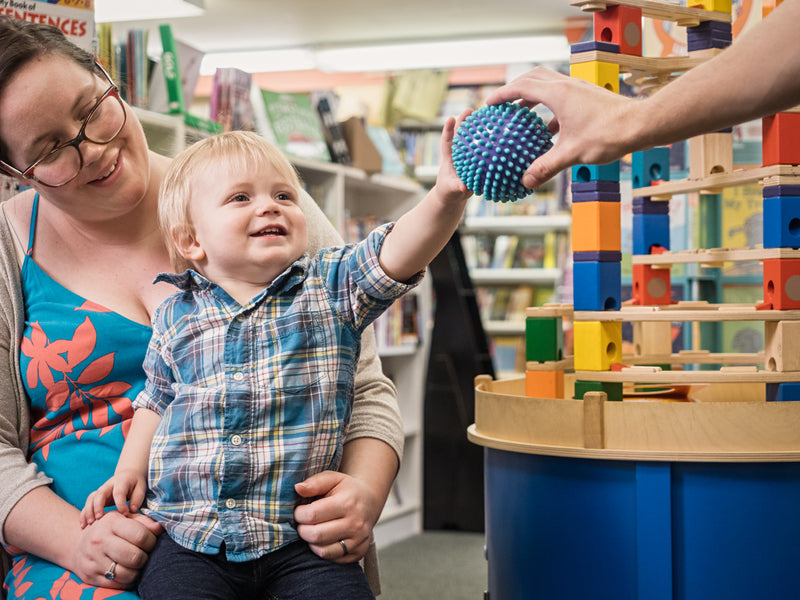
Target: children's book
{"x": 75, "y": 18}
{"x": 295, "y": 124}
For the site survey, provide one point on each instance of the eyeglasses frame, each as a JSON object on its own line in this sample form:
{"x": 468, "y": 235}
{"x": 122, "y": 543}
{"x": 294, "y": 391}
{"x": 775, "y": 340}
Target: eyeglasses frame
{"x": 113, "y": 90}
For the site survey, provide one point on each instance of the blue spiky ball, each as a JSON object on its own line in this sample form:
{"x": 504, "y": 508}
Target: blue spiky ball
{"x": 495, "y": 145}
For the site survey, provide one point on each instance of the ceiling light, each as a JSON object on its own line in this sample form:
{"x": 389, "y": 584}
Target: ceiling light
{"x": 109, "y": 11}
{"x": 396, "y": 57}
{"x": 456, "y": 53}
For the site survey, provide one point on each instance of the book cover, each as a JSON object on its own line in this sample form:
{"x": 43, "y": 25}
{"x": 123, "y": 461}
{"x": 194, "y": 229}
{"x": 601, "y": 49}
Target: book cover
{"x": 392, "y": 163}
{"x": 171, "y": 72}
{"x": 325, "y": 103}
{"x": 230, "y": 100}
{"x": 295, "y": 124}
{"x": 75, "y": 18}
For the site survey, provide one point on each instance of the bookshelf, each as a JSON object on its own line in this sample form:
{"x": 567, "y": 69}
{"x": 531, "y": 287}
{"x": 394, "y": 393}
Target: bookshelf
{"x": 517, "y": 255}
{"x": 348, "y": 195}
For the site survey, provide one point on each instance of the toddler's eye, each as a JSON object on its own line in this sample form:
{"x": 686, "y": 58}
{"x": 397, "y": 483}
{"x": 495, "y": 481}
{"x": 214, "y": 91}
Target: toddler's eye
{"x": 240, "y": 198}
{"x": 284, "y": 196}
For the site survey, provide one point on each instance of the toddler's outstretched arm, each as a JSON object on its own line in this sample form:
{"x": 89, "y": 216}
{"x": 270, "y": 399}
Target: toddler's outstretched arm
{"x": 421, "y": 233}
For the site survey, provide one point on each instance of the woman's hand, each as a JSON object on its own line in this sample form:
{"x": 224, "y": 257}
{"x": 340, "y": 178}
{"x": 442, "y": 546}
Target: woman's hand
{"x": 116, "y": 538}
{"x": 595, "y": 126}
{"x": 341, "y": 508}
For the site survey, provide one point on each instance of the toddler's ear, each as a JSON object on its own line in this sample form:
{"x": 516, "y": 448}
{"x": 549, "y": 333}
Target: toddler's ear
{"x": 188, "y": 246}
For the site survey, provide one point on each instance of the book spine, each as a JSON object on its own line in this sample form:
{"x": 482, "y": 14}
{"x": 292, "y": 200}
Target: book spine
{"x": 171, "y": 70}
{"x": 201, "y": 124}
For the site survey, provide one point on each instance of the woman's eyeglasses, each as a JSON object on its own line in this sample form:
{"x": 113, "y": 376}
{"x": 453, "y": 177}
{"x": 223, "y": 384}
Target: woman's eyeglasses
{"x": 63, "y": 163}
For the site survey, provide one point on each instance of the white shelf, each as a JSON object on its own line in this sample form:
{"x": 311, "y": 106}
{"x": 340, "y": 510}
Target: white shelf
{"x": 493, "y": 277}
{"x": 504, "y": 327}
{"x": 516, "y": 225}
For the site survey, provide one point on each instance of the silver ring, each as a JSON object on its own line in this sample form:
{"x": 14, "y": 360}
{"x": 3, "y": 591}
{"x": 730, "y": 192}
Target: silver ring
{"x": 344, "y": 547}
{"x": 109, "y": 574}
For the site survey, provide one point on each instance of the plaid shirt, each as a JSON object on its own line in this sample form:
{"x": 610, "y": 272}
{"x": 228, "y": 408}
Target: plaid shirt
{"x": 255, "y": 398}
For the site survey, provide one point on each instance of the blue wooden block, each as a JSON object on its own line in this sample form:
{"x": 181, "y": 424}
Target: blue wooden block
{"x": 594, "y": 186}
{"x": 781, "y": 221}
{"x": 594, "y": 46}
{"x": 584, "y": 173}
{"x": 705, "y": 44}
{"x": 649, "y": 230}
{"x": 650, "y": 165}
{"x": 596, "y": 285}
{"x": 595, "y": 196}
{"x": 597, "y": 256}
{"x": 780, "y": 190}
{"x": 643, "y": 205}
{"x": 787, "y": 391}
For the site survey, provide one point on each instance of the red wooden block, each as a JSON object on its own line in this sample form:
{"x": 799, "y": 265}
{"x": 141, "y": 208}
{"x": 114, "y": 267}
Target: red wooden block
{"x": 781, "y": 283}
{"x": 780, "y": 143}
{"x": 621, "y": 25}
{"x": 651, "y": 286}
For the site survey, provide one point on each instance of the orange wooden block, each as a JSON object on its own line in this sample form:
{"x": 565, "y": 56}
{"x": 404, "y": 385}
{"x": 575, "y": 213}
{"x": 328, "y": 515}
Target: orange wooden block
{"x": 781, "y": 283}
{"x": 621, "y": 25}
{"x": 596, "y": 226}
{"x": 651, "y": 286}
{"x": 780, "y": 143}
{"x": 544, "y": 384}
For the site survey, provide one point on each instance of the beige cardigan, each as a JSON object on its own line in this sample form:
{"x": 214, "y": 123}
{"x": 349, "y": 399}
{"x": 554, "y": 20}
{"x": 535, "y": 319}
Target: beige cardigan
{"x": 375, "y": 411}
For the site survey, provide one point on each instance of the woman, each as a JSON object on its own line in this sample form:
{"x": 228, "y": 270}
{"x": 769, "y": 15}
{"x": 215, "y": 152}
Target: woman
{"x": 78, "y": 254}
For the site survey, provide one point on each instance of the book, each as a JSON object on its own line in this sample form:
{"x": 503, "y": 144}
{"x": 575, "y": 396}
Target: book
{"x": 325, "y": 103}
{"x": 171, "y": 71}
{"x": 75, "y": 18}
{"x": 295, "y": 124}
{"x": 392, "y": 163}
{"x": 230, "y": 103}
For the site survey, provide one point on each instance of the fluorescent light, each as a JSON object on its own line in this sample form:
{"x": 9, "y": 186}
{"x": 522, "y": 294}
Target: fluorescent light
{"x": 456, "y": 53}
{"x": 396, "y": 57}
{"x": 260, "y": 61}
{"x": 109, "y": 11}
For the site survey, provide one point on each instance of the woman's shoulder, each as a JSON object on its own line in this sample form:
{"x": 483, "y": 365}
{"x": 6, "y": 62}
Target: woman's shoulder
{"x": 16, "y": 216}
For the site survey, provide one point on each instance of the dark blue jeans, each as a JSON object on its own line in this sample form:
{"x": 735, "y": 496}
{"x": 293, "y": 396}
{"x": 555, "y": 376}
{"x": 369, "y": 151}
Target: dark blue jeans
{"x": 289, "y": 573}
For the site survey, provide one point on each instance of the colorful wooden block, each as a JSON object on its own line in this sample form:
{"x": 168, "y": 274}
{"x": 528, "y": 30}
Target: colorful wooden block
{"x": 596, "y": 226}
{"x": 779, "y": 139}
{"x": 781, "y": 215}
{"x": 782, "y": 346}
{"x": 781, "y": 283}
{"x": 595, "y": 196}
{"x": 650, "y": 230}
{"x": 613, "y": 389}
{"x": 644, "y": 205}
{"x": 652, "y": 338}
{"x": 723, "y": 6}
{"x": 649, "y": 166}
{"x": 600, "y": 73}
{"x": 621, "y": 25}
{"x": 708, "y": 34}
{"x": 596, "y": 285}
{"x": 544, "y": 339}
{"x": 544, "y": 384}
{"x": 788, "y": 391}
{"x": 599, "y": 256}
{"x": 771, "y": 191}
{"x": 710, "y": 154}
{"x": 594, "y": 46}
{"x": 587, "y": 173}
{"x": 578, "y": 187}
{"x": 651, "y": 286}
{"x": 598, "y": 345}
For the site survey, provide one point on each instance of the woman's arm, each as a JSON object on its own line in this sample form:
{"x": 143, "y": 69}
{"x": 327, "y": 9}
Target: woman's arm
{"x": 758, "y": 75}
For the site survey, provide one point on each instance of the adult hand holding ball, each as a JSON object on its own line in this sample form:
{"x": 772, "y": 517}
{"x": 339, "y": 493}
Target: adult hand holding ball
{"x": 493, "y": 147}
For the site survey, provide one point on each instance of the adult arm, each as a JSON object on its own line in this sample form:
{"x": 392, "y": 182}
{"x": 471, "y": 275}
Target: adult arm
{"x": 757, "y": 75}
{"x": 348, "y": 503}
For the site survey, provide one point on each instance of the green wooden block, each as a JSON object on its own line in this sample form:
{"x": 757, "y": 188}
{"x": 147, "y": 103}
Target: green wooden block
{"x": 613, "y": 389}
{"x": 544, "y": 339}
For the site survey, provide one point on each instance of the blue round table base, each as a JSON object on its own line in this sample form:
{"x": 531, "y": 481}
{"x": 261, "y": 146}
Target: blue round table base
{"x": 562, "y": 528}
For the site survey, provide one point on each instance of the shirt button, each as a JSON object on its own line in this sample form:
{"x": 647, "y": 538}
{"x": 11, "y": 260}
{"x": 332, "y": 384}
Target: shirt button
{"x": 241, "y": 318}
{"x": 238, "y": 376}
{"x": 236, "y": 440}
{"x": 230, "y": 503}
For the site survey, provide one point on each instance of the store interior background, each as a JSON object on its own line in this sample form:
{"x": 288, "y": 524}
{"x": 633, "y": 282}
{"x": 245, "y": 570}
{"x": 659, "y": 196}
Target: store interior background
{"x": 447, "y": 560}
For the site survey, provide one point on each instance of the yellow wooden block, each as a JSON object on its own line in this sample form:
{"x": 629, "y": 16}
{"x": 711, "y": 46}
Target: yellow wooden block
{"x": 599, "y": 73}
{"x": 724, "y": 6}
{"x": 597, "y": 345}
{"x": 652, "y": 337}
